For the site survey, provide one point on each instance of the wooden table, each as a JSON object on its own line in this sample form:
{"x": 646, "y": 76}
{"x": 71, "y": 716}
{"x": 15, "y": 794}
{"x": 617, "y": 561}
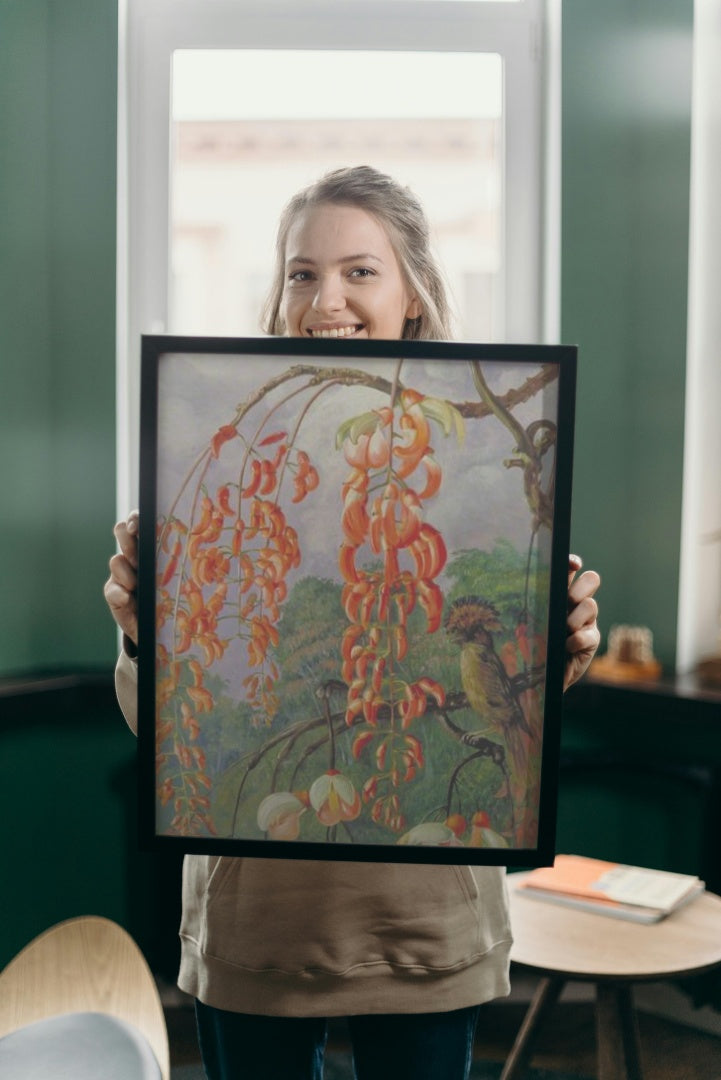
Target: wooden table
{"x": 562, "y": 944}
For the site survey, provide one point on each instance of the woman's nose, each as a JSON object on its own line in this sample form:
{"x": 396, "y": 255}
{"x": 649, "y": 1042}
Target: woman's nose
{"x": 329, "y": 295}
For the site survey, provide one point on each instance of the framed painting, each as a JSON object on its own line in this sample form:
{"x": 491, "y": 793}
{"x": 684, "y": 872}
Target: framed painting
{"x": 352, "y": 597}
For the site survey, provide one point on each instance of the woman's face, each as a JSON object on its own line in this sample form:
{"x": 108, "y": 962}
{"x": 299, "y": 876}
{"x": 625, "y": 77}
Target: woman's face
{"x": 342, "y": 277}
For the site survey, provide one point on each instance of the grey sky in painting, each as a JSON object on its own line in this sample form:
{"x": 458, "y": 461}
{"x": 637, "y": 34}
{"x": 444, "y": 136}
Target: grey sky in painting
{"x": 480, "y": 501}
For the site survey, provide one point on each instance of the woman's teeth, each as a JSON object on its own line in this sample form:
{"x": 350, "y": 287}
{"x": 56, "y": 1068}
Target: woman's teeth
{"x": 337, "y": 331}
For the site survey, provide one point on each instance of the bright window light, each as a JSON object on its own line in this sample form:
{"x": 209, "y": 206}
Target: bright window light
{"x": 251, "y": 127}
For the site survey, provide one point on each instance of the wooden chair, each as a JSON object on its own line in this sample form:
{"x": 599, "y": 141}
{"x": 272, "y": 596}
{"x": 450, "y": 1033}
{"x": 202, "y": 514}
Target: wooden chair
{"x": 81, "y": 969}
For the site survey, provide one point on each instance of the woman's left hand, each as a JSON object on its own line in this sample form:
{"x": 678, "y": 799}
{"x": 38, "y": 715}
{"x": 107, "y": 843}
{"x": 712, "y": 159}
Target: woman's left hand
{"x": 583, "y": 635}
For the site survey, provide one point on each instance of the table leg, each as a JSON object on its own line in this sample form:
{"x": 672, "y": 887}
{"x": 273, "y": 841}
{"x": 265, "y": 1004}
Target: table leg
{"x": 617, "y": 1033}
{"x": 545, "y": 997}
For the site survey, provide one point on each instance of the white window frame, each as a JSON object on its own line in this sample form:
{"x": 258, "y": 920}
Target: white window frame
{"x": 526, "y": 34}
{"x": 699, "y": 597}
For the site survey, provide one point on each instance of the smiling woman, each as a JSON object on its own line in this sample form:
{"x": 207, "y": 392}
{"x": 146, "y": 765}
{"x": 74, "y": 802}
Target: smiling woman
{"x": 330, "y": 292}
{"x": 353, "y": 259}
{"x": 297, "y": 941}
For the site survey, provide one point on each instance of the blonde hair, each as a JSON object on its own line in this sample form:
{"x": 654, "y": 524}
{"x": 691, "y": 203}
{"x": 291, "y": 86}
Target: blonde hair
{"x": 403, "y": 217}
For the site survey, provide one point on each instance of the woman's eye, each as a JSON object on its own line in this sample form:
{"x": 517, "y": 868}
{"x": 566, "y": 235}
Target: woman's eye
{"x": 362, "y": 272}
{"x": 300, "y": 276}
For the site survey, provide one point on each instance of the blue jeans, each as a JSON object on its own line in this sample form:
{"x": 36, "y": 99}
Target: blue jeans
{"x": 414, "y": 1046}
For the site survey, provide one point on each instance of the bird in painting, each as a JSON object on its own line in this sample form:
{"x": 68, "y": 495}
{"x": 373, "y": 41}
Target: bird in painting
{"x": 471, "y": 623}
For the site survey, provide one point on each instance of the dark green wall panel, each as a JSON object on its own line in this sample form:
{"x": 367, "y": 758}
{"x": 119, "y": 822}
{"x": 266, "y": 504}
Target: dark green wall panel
{"x": 626, "y": 145}
{"x": 58, "y": 77}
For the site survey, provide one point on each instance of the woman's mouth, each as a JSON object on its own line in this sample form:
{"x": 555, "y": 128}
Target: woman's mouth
{"x": 335, "y": 331}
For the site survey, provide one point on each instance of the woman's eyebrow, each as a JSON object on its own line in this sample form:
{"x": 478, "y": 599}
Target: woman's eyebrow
{"x": 363, "y": 256}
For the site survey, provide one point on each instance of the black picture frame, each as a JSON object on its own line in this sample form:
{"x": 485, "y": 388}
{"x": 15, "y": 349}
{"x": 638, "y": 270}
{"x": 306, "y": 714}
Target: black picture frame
{"x": 353, "y": 573}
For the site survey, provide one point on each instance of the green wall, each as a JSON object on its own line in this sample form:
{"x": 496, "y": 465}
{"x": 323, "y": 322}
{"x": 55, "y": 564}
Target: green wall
{"x": 58, "y": 71}
{"x": 625, "y": 200}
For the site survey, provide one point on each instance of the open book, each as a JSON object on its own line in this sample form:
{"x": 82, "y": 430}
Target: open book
{"x": 608, "y": 888}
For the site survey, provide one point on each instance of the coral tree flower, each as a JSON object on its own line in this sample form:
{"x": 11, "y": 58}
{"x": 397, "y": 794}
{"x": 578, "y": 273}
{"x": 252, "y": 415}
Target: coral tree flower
{"x": 279, "y": 815}
{"x": 334, "y": 798}
{"x": 431, "y": 833}
{"x": 482, "y": 835}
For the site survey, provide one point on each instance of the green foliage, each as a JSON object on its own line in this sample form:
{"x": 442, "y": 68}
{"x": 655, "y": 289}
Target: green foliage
{"x": 311, "y": 629}
{"x": 498, "y": 576}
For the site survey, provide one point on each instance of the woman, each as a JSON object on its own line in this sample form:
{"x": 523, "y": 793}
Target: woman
{"x": 271, "y": 948}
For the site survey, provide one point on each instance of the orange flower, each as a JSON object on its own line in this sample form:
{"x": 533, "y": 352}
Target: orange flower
{"x": 254, "y": 483}
{"x": 268, "y": 477}
{"x": 210, "y": 565}
{"x": 223, "y": 498}
{"x": 358, "y": 599}
{"x": 346, "y": 562}
{"x": 306, "y": 477}
{"x": 274, "y": 438}
{"x": 483, "y": 835}
{"x": 434, "y": 476}
{"x": 172, "y": 563}
{"x": 415, "y": 749}
{"x": 368, "y": 452}
{"x": 189, "y": 721}
{"x": 223, "y": 435}
{"x": 413, "y": 706}
{"x": 354, "y": 519}
{"x": 201, "y": 698}
{"x": 411, "y": 518}
{"x": 430, "y": 686}
{"x": 360, "y": 743}
{"x": 431, "y": 600}
{"x": 208, "y": 528}
{"x": 428, "y": 552}
{"x": 166, "y": 791}
{"x": 457, "y": 824}
{"x": 416, "y": 431}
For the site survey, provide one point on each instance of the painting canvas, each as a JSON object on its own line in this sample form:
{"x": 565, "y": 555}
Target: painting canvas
{"x": 353, "y": 575}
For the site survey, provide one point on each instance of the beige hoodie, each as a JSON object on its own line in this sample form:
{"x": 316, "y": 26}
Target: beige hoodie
{"x": 298, "y": 938}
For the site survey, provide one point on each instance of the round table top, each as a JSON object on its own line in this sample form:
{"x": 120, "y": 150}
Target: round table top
{"x": 559, "y": 940}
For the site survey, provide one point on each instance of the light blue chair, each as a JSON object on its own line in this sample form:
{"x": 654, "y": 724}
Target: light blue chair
{"x": 80, "y": 1003}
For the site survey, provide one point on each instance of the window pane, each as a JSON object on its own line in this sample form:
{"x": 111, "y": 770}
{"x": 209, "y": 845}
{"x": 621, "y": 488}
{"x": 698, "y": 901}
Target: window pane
{"x": 252, "y": 127}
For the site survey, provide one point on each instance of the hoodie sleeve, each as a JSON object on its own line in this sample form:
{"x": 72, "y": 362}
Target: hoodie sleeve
{"x": 126, "y": 688}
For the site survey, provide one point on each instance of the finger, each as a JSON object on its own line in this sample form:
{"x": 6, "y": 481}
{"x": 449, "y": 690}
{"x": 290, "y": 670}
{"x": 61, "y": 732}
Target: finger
{"x": 583, "y": 614}
{"x": 575, "y": 563}
{"x": 126, "y": 533}
{"x": 123, "y": 608}
{"x": 583, "y": 641}
{"x": 123, "y": 573}
{"x": 585, "y": 585}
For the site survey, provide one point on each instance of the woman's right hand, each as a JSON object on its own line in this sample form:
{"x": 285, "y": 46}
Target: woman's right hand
{"x": 121, "y": 587}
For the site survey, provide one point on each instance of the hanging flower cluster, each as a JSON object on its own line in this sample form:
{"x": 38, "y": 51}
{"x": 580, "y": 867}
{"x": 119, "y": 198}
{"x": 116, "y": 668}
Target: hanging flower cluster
{"x": 180, "y": 761}
{"x": 236, "y": 554}
{"x": 393, "y": 472}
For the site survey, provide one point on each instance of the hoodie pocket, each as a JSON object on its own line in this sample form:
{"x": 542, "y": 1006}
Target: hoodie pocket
{"x": 294, "y": 916}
